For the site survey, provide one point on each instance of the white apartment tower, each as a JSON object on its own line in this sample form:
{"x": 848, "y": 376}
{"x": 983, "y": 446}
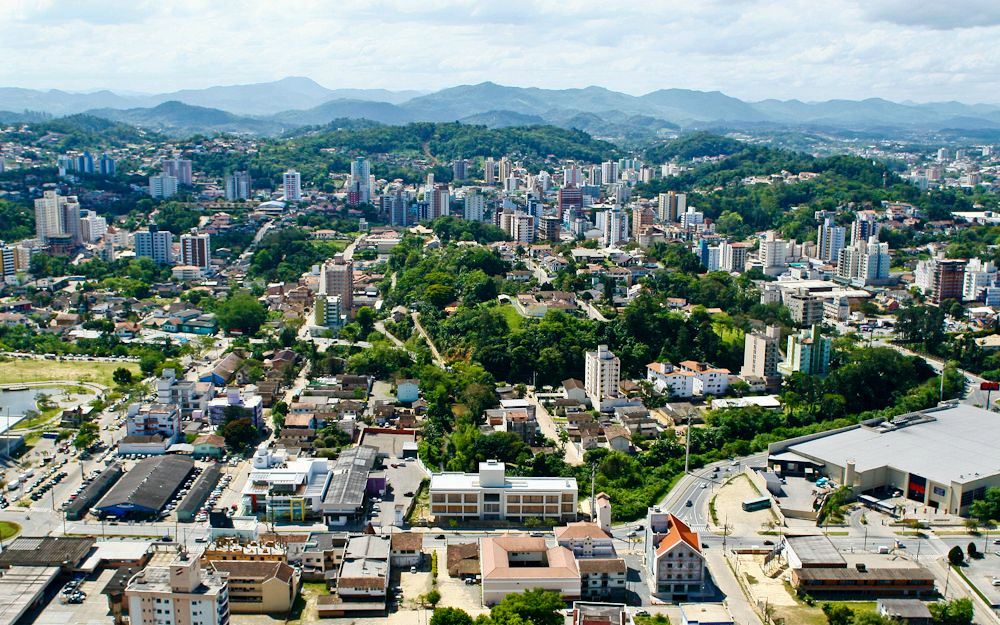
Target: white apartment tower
{"x": 155, "y": 244}
{"x": 602, "y": 374}
{"x": 291, "y": 183}
{"x": 671, "y": 206}
{"x": 475, "y": 206}
{"x": 56, "y": 215}
{"x": 829, "y": 240}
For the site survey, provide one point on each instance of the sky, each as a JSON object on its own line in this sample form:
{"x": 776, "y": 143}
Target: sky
{"x": 919, "y": 50}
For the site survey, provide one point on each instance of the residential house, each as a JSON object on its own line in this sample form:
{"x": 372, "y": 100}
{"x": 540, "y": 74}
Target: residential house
{"x": 675, "y": 566}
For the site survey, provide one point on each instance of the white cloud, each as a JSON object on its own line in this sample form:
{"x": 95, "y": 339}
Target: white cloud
{"x": 753, "y": 49}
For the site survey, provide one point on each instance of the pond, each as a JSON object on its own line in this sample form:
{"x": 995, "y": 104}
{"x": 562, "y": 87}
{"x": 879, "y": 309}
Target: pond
{"x": 14, "y": 404}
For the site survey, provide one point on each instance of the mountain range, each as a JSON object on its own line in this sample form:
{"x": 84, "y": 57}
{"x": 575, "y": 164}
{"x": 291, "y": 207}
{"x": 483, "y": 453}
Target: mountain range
{"x": 275, "y": 107}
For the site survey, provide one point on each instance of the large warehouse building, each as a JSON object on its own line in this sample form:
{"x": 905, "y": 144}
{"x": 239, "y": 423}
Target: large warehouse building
{"x": 943, "y": 457}
{"x": 147, "y": 488}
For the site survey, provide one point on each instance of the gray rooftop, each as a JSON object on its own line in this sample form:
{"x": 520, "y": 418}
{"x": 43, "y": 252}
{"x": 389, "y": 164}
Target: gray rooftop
{"x": 20, "y": 587}
{"x": 958, "y": 444}
{"x": 348, "y": 479}
{"x": 150, "y": 484}
{"x": 815, "y": 550}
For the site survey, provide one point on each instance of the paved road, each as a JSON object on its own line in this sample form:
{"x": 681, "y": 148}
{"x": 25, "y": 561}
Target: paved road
{"x": 550, "y": 430}
{"x": 427, "y": 338}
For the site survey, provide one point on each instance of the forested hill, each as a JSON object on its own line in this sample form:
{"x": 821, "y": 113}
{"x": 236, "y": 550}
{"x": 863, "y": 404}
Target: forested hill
{"x": 330, "y": 149}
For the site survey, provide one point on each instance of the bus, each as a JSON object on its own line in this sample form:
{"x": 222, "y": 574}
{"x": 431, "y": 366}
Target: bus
{"x": 760, "y": 503}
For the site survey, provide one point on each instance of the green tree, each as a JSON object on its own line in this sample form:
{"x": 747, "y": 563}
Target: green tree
{"x": 450, "y": 616}
{"x": 365, "y": 318}
{"x": 988, "y": 508}
{"x": 122, "y": 376}
{"x": 86, "y": 435}
{"x": 955, "y": 556}
{"x": 838, "y": 614}
{"x": 241, "y": 312}
{"x": 536, "y": 606}
{"x": 955, "y": 612}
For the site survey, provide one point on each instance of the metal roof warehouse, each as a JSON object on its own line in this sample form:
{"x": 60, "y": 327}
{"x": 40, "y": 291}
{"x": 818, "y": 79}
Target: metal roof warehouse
{"x": 147, "y": 488}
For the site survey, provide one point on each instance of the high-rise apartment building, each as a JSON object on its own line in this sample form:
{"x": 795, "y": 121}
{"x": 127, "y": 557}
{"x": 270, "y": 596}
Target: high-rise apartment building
{"x": 829, "y": 240}
{"x": 609, "y": 172}
{"x": 360, "y": 184}
{"x": 162, "y": 186}
{"x": 57, "y": 215}
{"x": 438, "y": 199}
{"x": 180, "y": 594}
{"x": 979, "y": 275}
{"x": 337, "y": 278}
{"x": 396, "y": 207}
{"x": 291, "y": 183}
{"x": 761, "y": 354}
{"x": 602, "y": 375}
{"x": 642, "y": 218}
{"x": 460, "y": 169}
{"x": 865, "y": 226}
{"x": 93, "y": 227}
{"x": 196, "y": 250}
{"x": 568, "y": 200}
{"x": 864, "y": 262}
{"x": 239, "y": 186}
{"x": 734, "y": 256}
{"x": 106, "y": 165}
{"x": 948, "y": 280}
{"x": 85, "y": 163}
{"x": 807, "y": 352}
{"x": 179, "y": 168}
{"x": 474, "y": 206}
{"x": 489, "y": 171}
{"x": 549, "y": 228}
{"x": 671, "y": 205}
{"x": 615, "y": 227}
{"x": 155, "y": 244}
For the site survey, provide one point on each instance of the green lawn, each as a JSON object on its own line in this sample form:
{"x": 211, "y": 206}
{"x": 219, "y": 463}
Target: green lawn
{"x": 513, "y": 318}
{"x": 9, "y": 529}
{"x": 15, "y": 371}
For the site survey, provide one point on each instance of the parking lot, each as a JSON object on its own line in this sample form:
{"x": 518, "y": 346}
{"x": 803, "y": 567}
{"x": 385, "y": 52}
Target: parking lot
{"x": 403, "y": 481}
{"x": 93, "y": 610}
{"x": 982, "y": 572}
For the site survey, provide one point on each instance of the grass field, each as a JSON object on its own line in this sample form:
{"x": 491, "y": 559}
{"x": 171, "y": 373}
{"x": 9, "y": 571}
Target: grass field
{"x": 511, "y": 316}
{"x": 9, "y": 529}
{"x": 16, "y": 371}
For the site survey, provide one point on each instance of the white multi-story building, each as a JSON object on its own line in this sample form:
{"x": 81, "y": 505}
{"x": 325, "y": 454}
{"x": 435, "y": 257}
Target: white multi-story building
{"x": 180, "y": 594}
{"x": 670, "y": 206}
{"x": 54, "y": 214}
{"x": 773, "y": 254}
{"x": 491, "y": 495}
{"x": 692, "y": 219}
{"x": 162, "y": 186}
{"x": 864, "y": 262}
{"x": 669, "y": 380}
{"x": 154, "y": 420}
{"x": 708, "y": 380}
{"x": 761, "y": 353}
{"x": 286, "y": 490}
{"x": 156, "y": 244}
{"x": 734, "y": 256}
{"x": 978, "y": 276}
{"x": 292, "y": 186}
{"x": 829, "y": 240}
{"x": 93, "y": 227}
{"x": 675, "y": 566}
{"x": 602, "y": 375}
{"x": 475, "y": 206}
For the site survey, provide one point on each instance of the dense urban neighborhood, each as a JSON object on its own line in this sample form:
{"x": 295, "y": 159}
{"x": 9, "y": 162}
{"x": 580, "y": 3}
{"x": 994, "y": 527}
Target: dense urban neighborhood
{"x": 496, "y": 373}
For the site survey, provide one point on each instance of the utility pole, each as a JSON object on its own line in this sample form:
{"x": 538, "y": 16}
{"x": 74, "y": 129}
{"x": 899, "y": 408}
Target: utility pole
{"x": 687, "y": 445}
{"x": 593, "y": 504}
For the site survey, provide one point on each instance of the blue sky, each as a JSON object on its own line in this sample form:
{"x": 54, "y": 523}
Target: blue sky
{"x": 754, "y": 49}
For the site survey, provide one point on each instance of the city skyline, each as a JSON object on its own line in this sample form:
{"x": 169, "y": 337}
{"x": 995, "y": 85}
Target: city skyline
{"x": 750, "y": 50}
